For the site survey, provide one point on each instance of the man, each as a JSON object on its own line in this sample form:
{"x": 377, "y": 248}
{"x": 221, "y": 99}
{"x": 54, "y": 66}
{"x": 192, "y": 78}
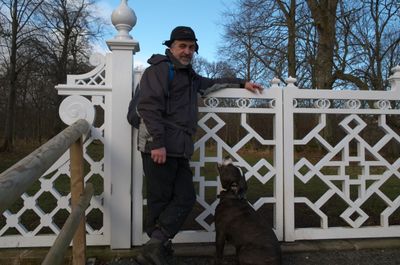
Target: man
{"x": 168, "y": 122}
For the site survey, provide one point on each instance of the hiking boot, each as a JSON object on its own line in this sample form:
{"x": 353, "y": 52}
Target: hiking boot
{"x": 169, "y": 257}
{"x": 156, "y": 252}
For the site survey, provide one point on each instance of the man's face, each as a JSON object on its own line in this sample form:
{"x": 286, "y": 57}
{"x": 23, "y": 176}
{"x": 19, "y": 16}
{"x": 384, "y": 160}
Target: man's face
{"x": 183, "y": 50}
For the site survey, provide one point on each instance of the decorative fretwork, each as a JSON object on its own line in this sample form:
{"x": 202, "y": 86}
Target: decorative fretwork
{"x": 43, "y": 209}
{"x": 96, "y": 77}
{"x": 223, "y": 115}
{"x": 305, "y": 170}
{"x": 344, "y": 146}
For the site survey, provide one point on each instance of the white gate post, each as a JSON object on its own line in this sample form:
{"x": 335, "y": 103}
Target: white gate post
{"x": 395, "y": 78}
{"x": 288, "y": 135}
{"x": 137, "y": 183}
{"x": 123, "y": 46}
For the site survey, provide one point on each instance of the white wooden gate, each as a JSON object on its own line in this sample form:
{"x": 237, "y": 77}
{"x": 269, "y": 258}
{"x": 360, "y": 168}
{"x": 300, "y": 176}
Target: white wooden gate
{"x": 357, "y": 172}
{"x": 262, "y": 173}
{"x": 342, "y": 162}
{"x": 338, "y": 180}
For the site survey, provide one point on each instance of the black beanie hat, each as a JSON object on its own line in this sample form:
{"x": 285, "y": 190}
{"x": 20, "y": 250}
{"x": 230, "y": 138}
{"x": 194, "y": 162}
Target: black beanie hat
{"x": 181, "y": 33}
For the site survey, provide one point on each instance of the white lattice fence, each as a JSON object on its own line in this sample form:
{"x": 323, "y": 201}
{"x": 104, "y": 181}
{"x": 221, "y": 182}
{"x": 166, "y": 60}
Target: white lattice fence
{"x": 342, "y": 177}
{"x": 234, "y": 122}
{"x": 38, "y": 216}
{"x": 339, "y": 179}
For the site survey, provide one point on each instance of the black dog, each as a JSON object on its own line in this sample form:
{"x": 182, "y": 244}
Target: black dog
{"x": 238, "y": 223}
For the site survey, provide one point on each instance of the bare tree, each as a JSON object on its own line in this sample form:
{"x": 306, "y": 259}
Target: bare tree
{"x": 199, "y": 64}
{"x": 44, "y": 41}
{"x": 324, "y": 15}
{"x": 370, "y": 43}
{"x": 213, "y": 69}
{"x": 325, "y": 44}
{"x": 19, "y": 32}
{"x": 272, "y": 33}
{"x": 242, "y": 46}
{"x": 289, "y": 11}
{"x": 68, "y": 27}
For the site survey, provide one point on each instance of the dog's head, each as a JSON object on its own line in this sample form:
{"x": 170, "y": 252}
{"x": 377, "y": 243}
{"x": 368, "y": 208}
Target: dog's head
{"x": 231, "y": 177}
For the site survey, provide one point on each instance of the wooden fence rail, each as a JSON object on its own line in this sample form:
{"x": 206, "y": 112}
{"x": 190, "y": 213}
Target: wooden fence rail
{"x": 18, "y": 178}
{"x": 56, "y": 254}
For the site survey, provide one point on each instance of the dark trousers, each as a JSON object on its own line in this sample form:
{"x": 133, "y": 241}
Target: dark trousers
{"x": 170, "y": 194}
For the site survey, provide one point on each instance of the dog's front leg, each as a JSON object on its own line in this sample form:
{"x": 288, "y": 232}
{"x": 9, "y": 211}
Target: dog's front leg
{"x": 220, "y": 245}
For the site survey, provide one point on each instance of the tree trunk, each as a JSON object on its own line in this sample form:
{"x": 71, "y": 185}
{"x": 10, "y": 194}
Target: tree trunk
{"x": 290, "y": 17}
{"x": 377, "y": 79}
{"x": 324, "y": 15}
{"x": 8, "y": 144}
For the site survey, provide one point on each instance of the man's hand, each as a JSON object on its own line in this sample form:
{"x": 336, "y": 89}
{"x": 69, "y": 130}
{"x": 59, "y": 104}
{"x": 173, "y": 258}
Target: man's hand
{"x": 159, "y": 155}
{"x": 253, "y": 87}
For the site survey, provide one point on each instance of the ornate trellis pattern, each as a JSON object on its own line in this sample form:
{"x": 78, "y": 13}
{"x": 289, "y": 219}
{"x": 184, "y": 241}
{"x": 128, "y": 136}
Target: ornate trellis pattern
{"x": 37, "y": 218}
{"x": 212, "y": 146}
{"x": 350, "y": 168}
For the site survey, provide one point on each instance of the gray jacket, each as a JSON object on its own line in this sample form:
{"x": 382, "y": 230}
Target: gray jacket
{"x": 170, "y": 120}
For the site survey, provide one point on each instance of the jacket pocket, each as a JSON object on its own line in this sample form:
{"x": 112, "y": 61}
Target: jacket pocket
{"x": 175, "y": 141}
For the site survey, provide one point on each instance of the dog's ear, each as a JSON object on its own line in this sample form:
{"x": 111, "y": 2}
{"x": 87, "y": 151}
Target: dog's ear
{"x": 227, "y": 161}
{"x": 219, "y": 166}
{"x": 242, "y": 181}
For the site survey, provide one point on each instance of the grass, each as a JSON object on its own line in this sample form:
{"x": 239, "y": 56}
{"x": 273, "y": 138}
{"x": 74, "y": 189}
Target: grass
{"x": 22, "y": 149}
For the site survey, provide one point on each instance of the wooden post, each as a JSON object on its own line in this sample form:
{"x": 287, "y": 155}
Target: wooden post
{"x": 77, "y": 187}
{"x": 57, "y": 252}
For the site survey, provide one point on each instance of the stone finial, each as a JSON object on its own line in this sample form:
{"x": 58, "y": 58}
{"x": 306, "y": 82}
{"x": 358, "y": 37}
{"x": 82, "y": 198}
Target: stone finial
{"x": 124, "y": 19}
{"x": 291, "y": 81}
{"x": 394, "y": 79}
{"x": 275, "y": 82}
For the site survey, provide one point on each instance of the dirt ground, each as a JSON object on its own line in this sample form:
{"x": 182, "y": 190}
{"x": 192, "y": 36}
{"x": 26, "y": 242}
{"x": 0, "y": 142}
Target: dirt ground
{"x": 385, "y": 252}
{"x": 354, "y": 257}
{"x": 321, "y": 252}
{"x": 345, "y": 257}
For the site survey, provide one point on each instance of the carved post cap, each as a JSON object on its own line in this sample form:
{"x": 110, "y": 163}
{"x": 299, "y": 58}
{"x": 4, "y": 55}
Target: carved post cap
{"x": 124, "y": 19}
{"x": 275, "y": 82}
{"x": 291, "y": 81}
